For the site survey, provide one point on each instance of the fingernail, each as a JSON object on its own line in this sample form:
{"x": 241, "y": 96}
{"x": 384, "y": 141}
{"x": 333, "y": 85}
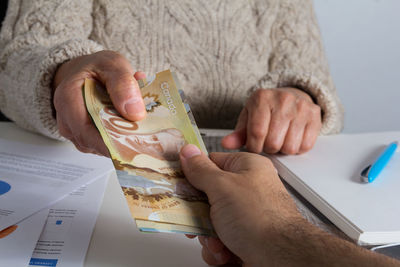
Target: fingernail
{"x": 134, "y": 106}
{"x": 190, "y": 151}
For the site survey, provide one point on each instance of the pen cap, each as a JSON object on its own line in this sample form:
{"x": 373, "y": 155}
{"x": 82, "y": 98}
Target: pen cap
{"x": 382, "y": 161}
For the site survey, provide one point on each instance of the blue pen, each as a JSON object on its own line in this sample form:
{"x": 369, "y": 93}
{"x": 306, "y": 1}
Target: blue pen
{"x": 372, "y": 171}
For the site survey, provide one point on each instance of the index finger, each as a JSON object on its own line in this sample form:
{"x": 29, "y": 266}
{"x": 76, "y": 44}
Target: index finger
{"x": 259, "y": 115}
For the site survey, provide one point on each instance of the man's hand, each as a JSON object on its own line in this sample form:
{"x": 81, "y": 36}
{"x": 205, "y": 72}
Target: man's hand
{"x": 276, "y": 120}
{"x": 257, "y": 222}
{"x": 249, "y": 204}
{"x": 115, "y": 72}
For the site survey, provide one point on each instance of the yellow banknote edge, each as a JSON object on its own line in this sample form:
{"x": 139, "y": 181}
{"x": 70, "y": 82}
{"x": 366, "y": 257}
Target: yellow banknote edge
{"x": 192, "y": 209}
{"x": 145, "y": 82}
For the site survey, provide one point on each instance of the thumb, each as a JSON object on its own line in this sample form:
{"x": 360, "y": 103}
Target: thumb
{"x": 200, "y": 171}
{"x": 125, "y": 93}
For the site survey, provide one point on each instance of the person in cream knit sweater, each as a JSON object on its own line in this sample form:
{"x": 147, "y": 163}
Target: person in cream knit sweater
{"x": 256, "y": 66}
{"x": 222, "y": 51}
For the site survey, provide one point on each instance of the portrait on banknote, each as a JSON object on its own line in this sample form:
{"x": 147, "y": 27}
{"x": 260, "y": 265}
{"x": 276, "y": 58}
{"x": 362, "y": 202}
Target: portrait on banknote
{"x": 150, "y": 159}
{"x": 146, "y": 155}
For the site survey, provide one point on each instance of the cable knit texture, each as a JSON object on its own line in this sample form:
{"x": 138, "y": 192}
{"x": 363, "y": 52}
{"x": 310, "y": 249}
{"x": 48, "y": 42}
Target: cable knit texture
{"x": 221, "y": 50}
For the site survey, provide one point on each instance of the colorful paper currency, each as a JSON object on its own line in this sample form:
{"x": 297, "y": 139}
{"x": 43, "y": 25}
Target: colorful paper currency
{"x": 146, "y": 156}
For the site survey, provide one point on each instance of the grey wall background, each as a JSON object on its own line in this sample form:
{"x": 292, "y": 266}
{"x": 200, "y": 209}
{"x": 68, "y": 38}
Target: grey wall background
{"x": 362, "y": 42}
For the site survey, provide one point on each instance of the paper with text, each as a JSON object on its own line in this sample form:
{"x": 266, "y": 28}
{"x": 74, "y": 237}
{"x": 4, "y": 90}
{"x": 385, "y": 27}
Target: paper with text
{"x": 66, "y": 235}
{"x": 33, "y": 177}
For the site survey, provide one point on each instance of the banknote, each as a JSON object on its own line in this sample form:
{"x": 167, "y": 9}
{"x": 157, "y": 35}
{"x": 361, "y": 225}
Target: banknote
{"x": 159, "y": 227}
{"x": 146, "y": 155}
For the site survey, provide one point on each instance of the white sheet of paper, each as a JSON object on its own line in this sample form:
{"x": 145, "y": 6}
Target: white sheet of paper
{"x": 328, "y": 176}
{"x": 16, "y": 247}
{"x": 69, "y": 226}
{"x": 33, "y": 177}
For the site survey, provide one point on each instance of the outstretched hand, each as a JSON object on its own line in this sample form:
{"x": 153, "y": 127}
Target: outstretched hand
{"x": 257, "y": 222}
{"x": 249, "y": 204}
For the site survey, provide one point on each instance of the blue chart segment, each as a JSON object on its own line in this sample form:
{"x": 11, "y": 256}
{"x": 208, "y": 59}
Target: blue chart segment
{"x": 43, "y": 262}
{"x": 4, "y": 187}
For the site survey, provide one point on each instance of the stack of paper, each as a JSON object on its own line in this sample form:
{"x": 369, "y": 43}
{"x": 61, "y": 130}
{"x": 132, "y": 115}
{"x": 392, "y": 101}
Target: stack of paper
{"x": 37, "y": 208}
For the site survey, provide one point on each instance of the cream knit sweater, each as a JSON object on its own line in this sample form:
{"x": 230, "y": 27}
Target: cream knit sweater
{"x": 221, "y": 51}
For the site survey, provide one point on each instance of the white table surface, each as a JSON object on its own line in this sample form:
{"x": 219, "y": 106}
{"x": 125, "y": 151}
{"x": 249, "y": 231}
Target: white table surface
{"x": 116, "y": 241}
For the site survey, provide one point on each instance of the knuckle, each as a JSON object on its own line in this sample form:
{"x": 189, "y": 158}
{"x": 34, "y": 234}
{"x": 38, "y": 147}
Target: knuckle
{"x": 272, "y": 146}
{"x": 286, "y": 115}
{"x": 257, "y": 132}
{"x": 267, "y": 162}
{"x": 290, "y": 150}
{"x": 262, "y": 93}
{"x": 125, "y": 78}
{"x": 303, "y": 106}
{"x": 124, "y": 88}
{"x": 286, "y": 99}
{"x": 259, "y": 97}
{"x": 316, "y": 110}
{"x": 306, "y": 146}
{"x": 258, "y": 93}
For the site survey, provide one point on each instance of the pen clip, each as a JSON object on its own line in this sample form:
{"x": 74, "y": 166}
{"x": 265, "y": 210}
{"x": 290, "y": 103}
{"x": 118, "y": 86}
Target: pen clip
{"x": 364, "y": 174}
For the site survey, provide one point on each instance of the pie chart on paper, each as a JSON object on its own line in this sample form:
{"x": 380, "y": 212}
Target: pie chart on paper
{"x": 4, "y": 187}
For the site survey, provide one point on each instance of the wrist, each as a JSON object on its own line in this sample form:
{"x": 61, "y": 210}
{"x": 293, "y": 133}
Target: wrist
{"x": 300, "y": 93}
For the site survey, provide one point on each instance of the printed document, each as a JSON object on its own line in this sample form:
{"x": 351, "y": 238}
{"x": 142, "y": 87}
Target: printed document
{"x": 62, "y": 239}
{"x": 34, "y": 177}
{"x": 69, "y": 226}
{"x": 18, "y": 241}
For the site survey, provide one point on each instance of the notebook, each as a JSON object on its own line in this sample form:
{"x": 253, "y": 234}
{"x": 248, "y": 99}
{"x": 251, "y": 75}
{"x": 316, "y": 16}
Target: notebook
{"x": 328, "y": 176}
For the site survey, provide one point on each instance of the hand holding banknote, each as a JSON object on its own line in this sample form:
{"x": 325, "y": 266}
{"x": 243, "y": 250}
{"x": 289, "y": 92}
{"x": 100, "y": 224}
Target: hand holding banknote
{"x": 146, "y": 155}
{"x": 249, "y": 204}
{"x": 116, "y": 73}
{"x": 257, "y": 222}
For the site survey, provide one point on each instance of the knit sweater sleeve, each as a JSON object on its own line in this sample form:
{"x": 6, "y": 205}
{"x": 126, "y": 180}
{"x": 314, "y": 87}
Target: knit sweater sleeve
{"x": 36, "y": 37}
{"x": 298, "y": 60}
